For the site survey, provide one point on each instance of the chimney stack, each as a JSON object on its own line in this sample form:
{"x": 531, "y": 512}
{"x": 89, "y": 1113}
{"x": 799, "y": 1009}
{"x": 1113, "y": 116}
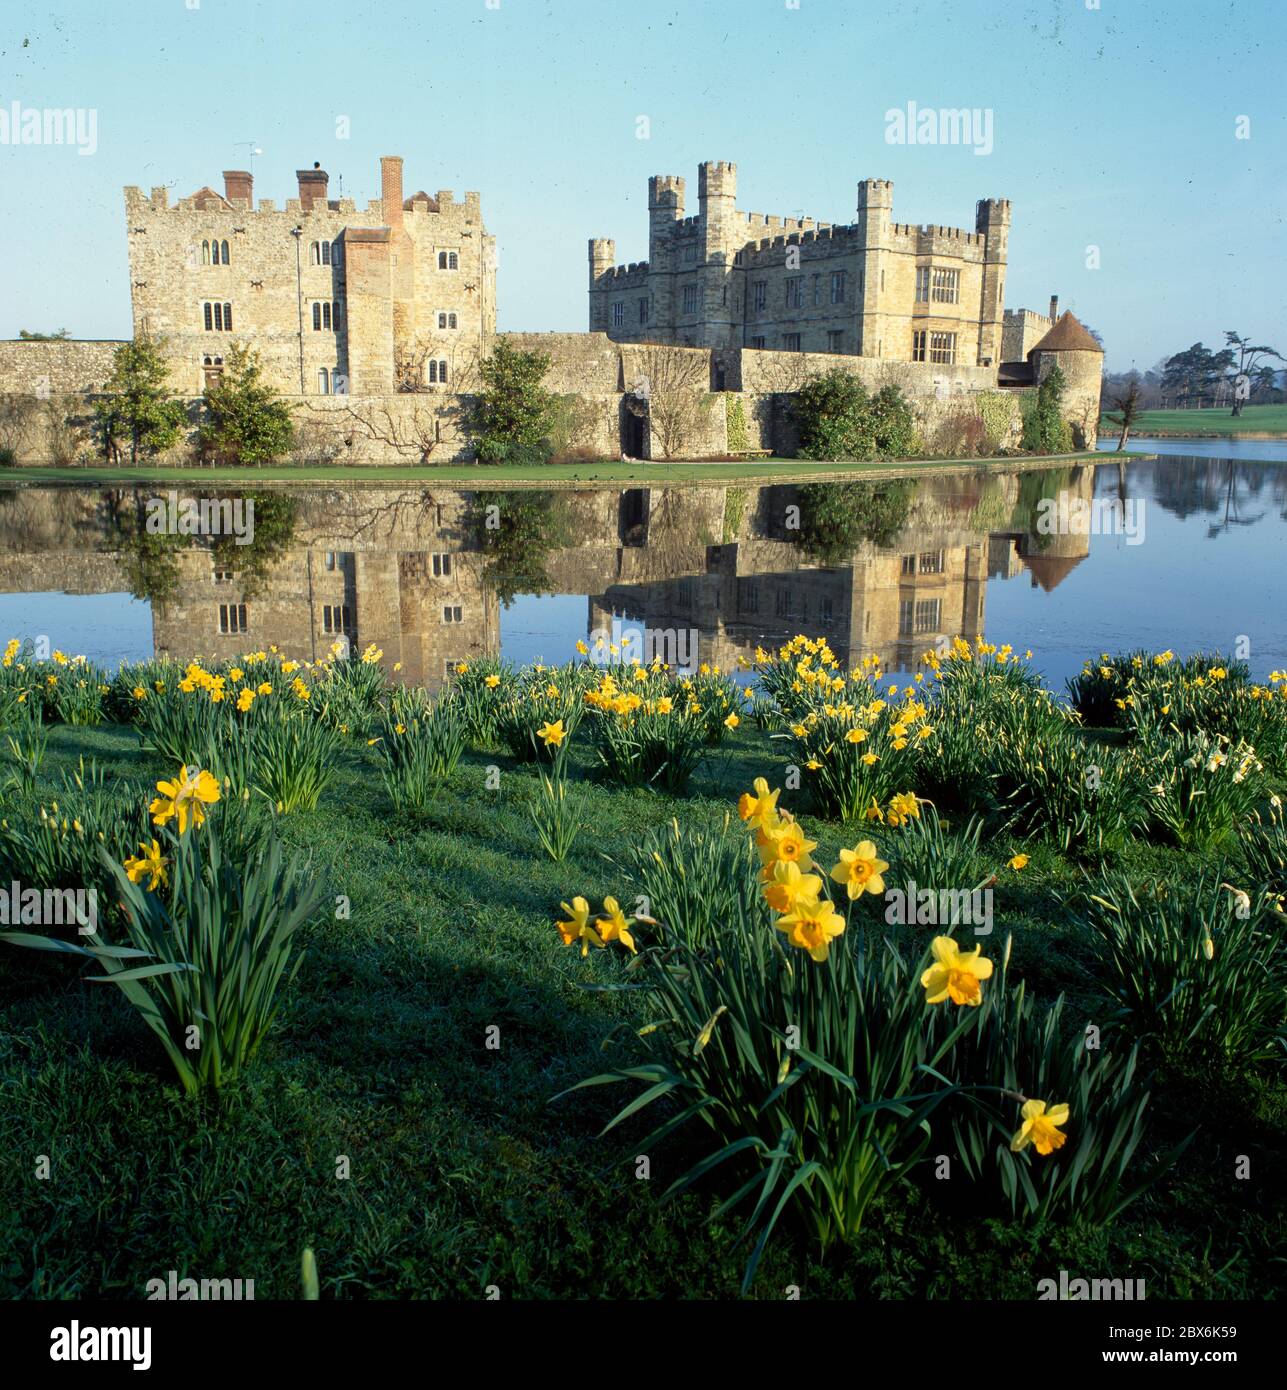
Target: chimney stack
{"x": 391, "y": 189}
{"x": 1054, "y": 308}
{"x": 238, "y": 184}
{"x": 312, "y": 186}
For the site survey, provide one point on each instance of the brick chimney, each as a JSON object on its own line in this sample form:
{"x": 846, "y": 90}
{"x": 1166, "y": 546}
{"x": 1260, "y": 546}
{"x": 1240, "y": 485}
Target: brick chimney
{"x": 237, "y": 183}
{"x": 1054, "y": 308}
{"x": 391, "y": 189}
{"x": 312, "y": 186}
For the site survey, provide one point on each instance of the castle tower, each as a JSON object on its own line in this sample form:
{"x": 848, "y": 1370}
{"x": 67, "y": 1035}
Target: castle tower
{"x": 717, "y": 201}
{"x": 665, "y": 212}
{"x": 992, "y": 222}
{"x": 603, "y": 256}
{"x": 876, "y": 328}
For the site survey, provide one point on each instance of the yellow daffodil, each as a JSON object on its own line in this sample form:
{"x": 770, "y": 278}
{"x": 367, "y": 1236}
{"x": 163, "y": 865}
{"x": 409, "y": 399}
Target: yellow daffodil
{"x": 812, "y": 926}
{"x": 150, "y": 864}
{"x": 860, "y": 870}
{"x": 552, "y": 735}
{"x": 789, "y": 887}
{"x": 760, "y": 807}
{"x": 1040, "y": 1128}
{"x": 614, "y": 925}
{"x": 955, "y": 974}
{"x": 577, "y": 927}
{"x": 185, "y": 798}
{"x": 1018, "y": 861}
{"x": 785, "y": 841}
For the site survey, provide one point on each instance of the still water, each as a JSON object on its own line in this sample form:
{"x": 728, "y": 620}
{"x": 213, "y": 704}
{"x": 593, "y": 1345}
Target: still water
{"x": 1185, "y": 551}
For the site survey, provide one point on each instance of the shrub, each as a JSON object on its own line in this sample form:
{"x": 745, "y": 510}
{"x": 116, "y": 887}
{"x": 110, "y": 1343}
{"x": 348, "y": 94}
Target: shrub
{"x": 1045, "y": 431}
{"x": 514, "y": 414}
{"x": 137, "y": 401}
{"x": 839, "y": 419}
{"x": 245, "y": 420}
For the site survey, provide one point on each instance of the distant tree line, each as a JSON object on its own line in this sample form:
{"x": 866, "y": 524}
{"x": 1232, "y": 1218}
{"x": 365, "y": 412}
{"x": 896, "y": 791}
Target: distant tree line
{"x": 1240, "y": 373}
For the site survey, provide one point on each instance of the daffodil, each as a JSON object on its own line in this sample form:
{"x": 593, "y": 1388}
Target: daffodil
{"x": 1018, "y": 861}
{"x": 759, "y": 808}
{"x": 150, "y": 864}
{"x": 614, "y": 925}
{"x": 860, "y": 870}
{"x": 577, "y": 927}
{"x": 785, "y": 841}
{"x": 1040, "y": 1128}
{"x": 185, "y": 798}
{"x": 955, "y": 974}
{"x": 552, "y": 735}
{"x": 789, "y": 887}
{"x": 812, "y": 926}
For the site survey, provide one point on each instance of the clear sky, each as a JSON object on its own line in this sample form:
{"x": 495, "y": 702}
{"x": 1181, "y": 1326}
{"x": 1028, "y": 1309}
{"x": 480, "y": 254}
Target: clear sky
{"x": 1114, "y": 126}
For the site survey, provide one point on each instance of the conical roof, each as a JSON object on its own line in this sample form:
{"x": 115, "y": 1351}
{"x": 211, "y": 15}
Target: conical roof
{"x": 1068, "y": 335}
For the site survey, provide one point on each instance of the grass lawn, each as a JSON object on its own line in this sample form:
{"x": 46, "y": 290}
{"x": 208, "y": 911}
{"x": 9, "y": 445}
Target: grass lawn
{"x": 575, "y": 475}
{"x": 1255, "y": 419}
{"x": 463, "y": 1171}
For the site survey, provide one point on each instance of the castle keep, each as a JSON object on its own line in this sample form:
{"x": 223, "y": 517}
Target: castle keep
{"x": 336, "y": 299}
{"x": 873, "y": 288}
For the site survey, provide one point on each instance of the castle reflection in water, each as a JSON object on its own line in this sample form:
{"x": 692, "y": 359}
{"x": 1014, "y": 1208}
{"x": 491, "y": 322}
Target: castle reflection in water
{"x": 422, "y": 572}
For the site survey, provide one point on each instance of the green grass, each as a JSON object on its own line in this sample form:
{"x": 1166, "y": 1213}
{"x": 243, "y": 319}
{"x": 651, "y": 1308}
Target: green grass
{"x": 607, "y": 472}
{"x": 464, "y": 1173}
{"x": 1255, "y": 419}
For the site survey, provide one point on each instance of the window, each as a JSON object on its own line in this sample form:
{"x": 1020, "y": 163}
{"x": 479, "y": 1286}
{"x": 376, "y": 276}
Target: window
{"x": 918, "y": 346}
{"x": 795, "y": 292}
{"x": 448, "y": 260}
{"x": 442, "y": 566}
{"x": 909, "y": 564}
{"x": 838, "y": 278}
{"x": 618, "y": 314}
{"x": 835, "y": 340}
{"x": 691, "y": 299}
{"x": 214, "y": 253}
{"x": 931, "y": 562}
{"x": 211, "y": 370}
{"x": 218, "y": 317}
{"x": 758, "y": 342}
{"x": 322, "y": 316}
{"x": 760, "y": 296}
{"x": 784, "y": 604}
{"x": 323, "y": 382}
{"x": 918, "y": 616}
{"x": 826, "y": 611}
{"x": 791, "y": 341}
{"x": 690, "y": 253}
{"x": 643, "y": 311}
{"x": 452, "y": 614}
{"x": 329, "y": 560}
{"x": 222, "y": 576}
{"x": 232, "y": 617}
{"x": 946, "y": 287}
{"x": 335, "y": 617}
{"x": 320, "y": 253}
{"x": 817, "y": 289}
{"x": 922, "y": 284}
{"x": 942, "y": 347}
{"x": 748, "y": 596}
{"x": 436, "y": 372}
{"x": 446, "y": 321}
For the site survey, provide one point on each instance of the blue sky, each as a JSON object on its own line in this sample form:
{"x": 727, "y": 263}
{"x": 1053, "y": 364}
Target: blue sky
{"x": 1115, "y": 127}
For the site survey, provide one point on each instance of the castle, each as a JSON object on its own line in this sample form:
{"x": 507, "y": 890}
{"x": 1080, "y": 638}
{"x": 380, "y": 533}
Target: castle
{"x": 336, "y": 299}
{"x": 374, "y": 323}
{"x": 874, "y": 288}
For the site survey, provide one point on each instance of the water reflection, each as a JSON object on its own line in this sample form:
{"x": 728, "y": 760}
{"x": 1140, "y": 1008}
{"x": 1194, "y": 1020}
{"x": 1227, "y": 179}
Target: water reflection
{"x": 438, "y": 576}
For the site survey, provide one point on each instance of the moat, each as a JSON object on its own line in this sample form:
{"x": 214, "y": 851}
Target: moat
{"x": 1124, "y": 554}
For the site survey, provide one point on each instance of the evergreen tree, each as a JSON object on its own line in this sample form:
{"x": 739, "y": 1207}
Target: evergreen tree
{"x": 513, "y": 416}
{"x": 246, "y": 422}
{"x": 138, "y": 402}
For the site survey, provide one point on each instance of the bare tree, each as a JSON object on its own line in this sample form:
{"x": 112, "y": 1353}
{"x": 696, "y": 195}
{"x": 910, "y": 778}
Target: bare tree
{"x": 1126, "y": 411}
{"x": 675, "y": 384}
